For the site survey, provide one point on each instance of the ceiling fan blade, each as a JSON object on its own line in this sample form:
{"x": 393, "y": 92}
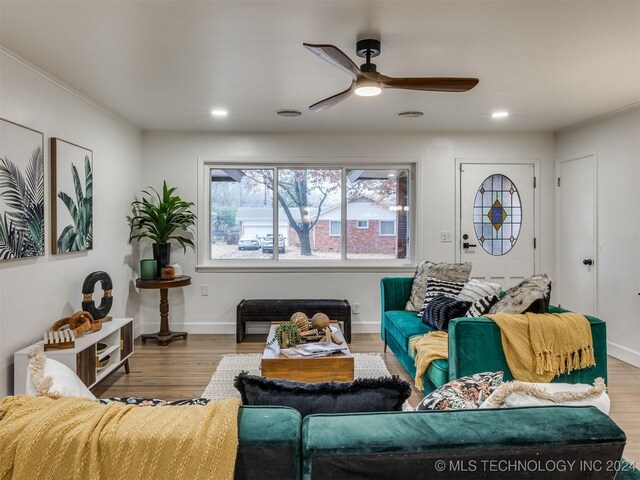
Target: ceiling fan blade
{"x": 433, "y": 84}
{"x": 335, "y": 57}
{"x": 331, "y": 101}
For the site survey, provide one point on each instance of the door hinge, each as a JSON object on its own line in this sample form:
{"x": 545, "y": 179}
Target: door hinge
{"x": 558, "y": 181}
{"x": 535, "y": 243}
{"x": 535, "y": 182}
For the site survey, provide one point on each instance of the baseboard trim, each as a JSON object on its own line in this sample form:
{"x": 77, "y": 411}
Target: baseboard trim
{"x": 625, "y": 354}
{"x": 229, "y": 328}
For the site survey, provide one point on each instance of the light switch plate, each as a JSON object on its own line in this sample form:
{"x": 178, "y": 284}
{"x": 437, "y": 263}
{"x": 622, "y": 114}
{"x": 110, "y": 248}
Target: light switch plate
{"x": 446, "y": 237}
{"x": 204, "y": 290}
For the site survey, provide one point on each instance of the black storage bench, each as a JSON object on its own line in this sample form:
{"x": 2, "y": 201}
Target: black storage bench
{"x": 269, "y": 310}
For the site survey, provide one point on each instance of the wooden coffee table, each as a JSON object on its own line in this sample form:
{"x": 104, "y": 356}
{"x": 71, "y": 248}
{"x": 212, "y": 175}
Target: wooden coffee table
{"x": 337, "y": 367}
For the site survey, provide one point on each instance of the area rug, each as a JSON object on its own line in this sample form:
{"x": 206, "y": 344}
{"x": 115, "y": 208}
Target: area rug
{"x": 365, "y": 365}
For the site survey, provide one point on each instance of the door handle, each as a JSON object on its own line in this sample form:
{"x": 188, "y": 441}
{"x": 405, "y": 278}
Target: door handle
{"x": 468, "y": 245}
{"x": 587, "y": 261}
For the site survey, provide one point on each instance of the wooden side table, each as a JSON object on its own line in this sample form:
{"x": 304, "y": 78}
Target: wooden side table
{"x": 164, "y": 336}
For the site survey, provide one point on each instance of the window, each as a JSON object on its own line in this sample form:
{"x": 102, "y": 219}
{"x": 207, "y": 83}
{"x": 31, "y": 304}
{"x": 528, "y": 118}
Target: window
{"x": 387, "y": 227}
{"x": 378, "y": 195}
{"x": 497, "y": 214}
{"x": 281, "y": 213}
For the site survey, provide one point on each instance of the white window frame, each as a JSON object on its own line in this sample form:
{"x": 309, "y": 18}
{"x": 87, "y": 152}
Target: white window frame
{"x": 207, "y": 265}
{"x": 366, "y": 224}
{"x": 331, "y": 234}
{"x": 387, "y": 234}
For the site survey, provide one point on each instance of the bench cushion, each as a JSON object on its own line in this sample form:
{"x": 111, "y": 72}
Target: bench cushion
{"x": 283, "y": 308}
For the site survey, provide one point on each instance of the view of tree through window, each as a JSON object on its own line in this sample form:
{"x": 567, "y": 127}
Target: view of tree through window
{"x": 311, "y": 204}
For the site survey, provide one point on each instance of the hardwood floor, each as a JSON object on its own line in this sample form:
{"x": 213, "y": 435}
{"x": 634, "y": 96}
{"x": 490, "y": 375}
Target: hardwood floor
{"x": 183, "y": 370}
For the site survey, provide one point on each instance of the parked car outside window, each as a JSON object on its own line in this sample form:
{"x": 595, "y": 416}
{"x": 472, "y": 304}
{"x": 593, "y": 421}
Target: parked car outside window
{"x": 267, "y": 244}
{"x": 249, "y": 242}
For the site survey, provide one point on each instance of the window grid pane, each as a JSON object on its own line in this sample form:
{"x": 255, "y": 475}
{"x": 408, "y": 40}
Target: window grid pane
{"x": 310, "y": 213}
{"x": 497, "y": 215}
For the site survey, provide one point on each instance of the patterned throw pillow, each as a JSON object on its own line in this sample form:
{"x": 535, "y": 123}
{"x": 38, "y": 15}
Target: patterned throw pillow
{"x": 531, "y": 295}
{"x": 152, "y": 402}
{"x": 474, "y": 290}
{"x": 450, "y": 272}
{"x": 464, "y": 393}
{"x": 437, "y": 287}
{"x": 442, "y": 309}
{"x": 482, "y": 306}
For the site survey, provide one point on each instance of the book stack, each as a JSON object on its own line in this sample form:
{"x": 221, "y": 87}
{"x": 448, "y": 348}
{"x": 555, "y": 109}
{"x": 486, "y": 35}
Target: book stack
{"x": 311, "y": 350}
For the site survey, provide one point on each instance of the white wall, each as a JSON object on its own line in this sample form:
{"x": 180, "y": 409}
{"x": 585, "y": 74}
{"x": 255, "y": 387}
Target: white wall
{"x": 616, "y": 143}
{"x": 34, "y": 293}
{"x": 174, "y": 157}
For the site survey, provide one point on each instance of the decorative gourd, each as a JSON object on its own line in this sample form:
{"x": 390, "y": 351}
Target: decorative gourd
{"x": 320, "y": 321}
{"x": 300, "y": 320}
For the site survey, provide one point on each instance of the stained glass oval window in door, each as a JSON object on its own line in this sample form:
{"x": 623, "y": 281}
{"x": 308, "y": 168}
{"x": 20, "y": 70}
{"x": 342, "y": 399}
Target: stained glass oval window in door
{"x": 497, "y": 214}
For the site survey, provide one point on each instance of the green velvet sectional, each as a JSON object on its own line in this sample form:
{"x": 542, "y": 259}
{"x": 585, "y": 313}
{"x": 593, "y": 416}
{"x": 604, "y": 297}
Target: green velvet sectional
{"x": 532, "y": 443}
{"x": 474, "y": 343}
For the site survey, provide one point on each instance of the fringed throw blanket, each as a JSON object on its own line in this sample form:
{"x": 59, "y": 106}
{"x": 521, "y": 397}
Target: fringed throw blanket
{"x": 539, "y": 347}
{"x": 431, "y": 346}
{"x": 77, "y": 439}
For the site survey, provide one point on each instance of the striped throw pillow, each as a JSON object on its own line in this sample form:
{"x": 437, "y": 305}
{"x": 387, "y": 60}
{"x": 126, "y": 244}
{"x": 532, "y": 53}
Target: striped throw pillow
{"x": 442, "y": 309}
{"x": 474, "y": 290}
{"x": 482, "y": 306}
{"x": 437, "y": 287}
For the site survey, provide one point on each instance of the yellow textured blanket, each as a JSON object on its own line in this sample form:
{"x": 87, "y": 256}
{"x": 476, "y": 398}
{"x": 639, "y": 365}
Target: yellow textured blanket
{"x": 539, "y": 347}
{"x": 431, "y": 346}
{"x": 77, "y": 439}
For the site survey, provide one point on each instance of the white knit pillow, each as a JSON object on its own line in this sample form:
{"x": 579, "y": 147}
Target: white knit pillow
{"x": 474, "y": 290}
{"x": 46, "y": 376}
{"x": 525, "y": 394}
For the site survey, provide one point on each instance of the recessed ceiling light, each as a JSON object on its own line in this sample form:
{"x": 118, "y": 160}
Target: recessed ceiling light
{"x": 289, "y": 113}
{"x": 410, "y": 114}
{"x": 219, "y": 112}
{"x": 500, "y": 114}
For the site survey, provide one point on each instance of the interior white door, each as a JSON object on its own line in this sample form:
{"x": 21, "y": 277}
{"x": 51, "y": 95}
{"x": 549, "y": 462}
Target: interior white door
{"x": 576, "y": 263}
{"x": 497, "y": 221}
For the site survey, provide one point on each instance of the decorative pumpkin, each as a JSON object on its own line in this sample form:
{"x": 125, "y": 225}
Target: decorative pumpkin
{"x": 320, "y": 321}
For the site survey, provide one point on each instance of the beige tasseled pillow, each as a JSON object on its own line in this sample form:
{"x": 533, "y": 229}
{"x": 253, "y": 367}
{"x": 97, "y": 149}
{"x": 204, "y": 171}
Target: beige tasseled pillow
{"x": 448, "y": 272}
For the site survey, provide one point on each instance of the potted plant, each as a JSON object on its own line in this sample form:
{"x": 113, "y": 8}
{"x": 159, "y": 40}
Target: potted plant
{"x": 162, "y": 218}
{"x": 287, "y": 335}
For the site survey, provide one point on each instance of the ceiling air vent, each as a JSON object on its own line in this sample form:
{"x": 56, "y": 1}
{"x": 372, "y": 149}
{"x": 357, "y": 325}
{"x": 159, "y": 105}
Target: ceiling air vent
{"x": 410, "y": 114}
{"x": 289, "y": 113}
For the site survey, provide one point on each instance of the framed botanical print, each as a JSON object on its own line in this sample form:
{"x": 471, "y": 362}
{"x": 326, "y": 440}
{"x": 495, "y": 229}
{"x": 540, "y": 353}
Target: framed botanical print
{"x": 71, "y": 197}
{"x": 21, "y": 191}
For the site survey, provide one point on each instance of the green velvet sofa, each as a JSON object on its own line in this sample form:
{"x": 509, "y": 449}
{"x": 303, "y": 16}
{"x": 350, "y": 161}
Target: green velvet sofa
{"x": 475, "y": 344}
{"x": 532, "y": 443}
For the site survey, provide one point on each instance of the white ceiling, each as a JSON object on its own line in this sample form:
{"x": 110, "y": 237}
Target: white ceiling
{"x": 163, "y": 65}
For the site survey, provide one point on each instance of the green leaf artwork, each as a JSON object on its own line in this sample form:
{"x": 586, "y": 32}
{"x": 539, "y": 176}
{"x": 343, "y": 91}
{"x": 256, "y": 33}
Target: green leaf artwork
{"x": 21, "y": 199}
{"x": 78, "y": 236}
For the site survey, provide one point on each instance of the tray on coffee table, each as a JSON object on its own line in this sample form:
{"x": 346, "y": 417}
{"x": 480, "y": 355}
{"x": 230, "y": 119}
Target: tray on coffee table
{"x": 337, "y": 367}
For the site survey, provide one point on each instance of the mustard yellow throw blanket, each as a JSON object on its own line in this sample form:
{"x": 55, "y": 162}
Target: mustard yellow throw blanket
{"x": 431, "y": 346}
{"x": 538, "y": 347}
{"x": 77, "y": 439}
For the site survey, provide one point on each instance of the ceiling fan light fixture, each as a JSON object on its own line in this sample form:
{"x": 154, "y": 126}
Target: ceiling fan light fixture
{"x": 368, "y": 91}
{"x": 500, "y": 114}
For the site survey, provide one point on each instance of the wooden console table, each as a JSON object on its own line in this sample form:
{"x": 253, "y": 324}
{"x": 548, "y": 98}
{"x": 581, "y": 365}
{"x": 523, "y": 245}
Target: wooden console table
{"x": 164, "y": 336}
{"x": 117, "y": 335}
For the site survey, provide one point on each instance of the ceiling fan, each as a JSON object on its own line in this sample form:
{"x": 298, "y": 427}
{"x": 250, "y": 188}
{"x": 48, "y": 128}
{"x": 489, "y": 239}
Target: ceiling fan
{"x": 367, "y": 82}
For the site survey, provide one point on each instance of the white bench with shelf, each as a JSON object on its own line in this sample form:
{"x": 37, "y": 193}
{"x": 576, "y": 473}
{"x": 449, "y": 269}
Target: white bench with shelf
{"x": 84, "y": 357}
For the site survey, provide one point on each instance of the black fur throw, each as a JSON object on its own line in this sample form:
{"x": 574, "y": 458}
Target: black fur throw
{"x": 383, "y": 394}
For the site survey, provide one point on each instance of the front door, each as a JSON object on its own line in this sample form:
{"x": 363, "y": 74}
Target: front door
{"x": 496, "y": 221}
{"x": 577, "y": 265}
